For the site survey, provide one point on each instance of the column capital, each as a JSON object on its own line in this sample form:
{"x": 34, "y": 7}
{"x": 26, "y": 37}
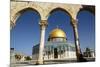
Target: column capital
{"x": 43, "y": 23}
{"x": 12, "y": 25}
{"x": 74, "y": 22}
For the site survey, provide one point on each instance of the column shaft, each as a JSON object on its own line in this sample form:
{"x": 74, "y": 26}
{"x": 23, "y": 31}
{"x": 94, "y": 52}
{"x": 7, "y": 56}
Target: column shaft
{"x": 76, "y": 38}
{"x": 43, "y": 25}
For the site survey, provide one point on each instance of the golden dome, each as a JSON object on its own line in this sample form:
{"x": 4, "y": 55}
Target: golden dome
{"x": 57, "y": 33}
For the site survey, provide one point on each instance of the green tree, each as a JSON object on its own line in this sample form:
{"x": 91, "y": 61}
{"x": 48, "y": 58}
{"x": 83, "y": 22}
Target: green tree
{"x": 18, "y": 57}
{"x": 28, "y": 58}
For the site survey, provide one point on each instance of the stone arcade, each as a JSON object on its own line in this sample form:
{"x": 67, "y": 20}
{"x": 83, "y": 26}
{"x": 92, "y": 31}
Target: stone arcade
{"x": 17, "y": 8}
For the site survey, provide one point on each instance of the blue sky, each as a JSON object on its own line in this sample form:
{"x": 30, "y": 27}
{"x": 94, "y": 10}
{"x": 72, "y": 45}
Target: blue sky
{"x": 26, "y": 33}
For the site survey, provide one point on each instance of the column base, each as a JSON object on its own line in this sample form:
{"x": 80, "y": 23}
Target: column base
{"x": 39, "y": 62}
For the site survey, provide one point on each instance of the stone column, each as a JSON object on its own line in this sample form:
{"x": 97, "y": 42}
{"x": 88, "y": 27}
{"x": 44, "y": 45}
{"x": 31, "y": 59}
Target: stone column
{"x": 43, "y": 25}
{"x": 69, "y": 51}
{"x": 76, "y": 38}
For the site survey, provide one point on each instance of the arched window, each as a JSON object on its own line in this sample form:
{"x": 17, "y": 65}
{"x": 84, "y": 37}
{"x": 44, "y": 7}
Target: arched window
{"x": 86, "y": 29}
{"x": 61, "y": 19}
{"x": 26, "y": 32}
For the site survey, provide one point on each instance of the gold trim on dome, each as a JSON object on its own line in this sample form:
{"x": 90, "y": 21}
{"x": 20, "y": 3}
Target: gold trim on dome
{"x": 57, "y": 33}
